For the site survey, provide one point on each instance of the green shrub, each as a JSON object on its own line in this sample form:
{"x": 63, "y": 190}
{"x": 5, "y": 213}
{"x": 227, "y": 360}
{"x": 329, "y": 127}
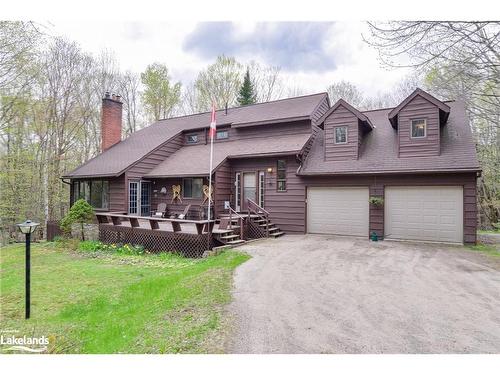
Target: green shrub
{"x": 81, "y": 212}
{"x": 376, "y": 201}
{"x": 90, "y": 246}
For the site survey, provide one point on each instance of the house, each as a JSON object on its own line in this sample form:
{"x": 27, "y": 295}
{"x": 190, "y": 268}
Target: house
{"x": 311, "y": 165}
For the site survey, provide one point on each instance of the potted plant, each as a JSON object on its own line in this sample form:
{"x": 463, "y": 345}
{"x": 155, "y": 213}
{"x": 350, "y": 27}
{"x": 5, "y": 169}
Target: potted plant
{"x": 376, "y": 201}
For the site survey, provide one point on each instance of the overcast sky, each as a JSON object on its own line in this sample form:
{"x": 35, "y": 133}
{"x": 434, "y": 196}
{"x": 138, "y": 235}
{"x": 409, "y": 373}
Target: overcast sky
{"x": 312, "y": 55}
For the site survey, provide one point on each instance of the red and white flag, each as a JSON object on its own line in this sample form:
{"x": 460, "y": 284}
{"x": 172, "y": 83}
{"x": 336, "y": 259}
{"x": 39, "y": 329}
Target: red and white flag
{"x": 212, "y": 123}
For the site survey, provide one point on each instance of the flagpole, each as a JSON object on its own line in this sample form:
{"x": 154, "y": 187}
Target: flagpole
{"x": 212, "y": 134}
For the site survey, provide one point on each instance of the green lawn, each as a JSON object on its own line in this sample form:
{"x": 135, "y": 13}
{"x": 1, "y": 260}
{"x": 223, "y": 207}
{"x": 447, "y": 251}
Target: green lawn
{"x": 485, "y": 249}
{"x": 109, "y": 303}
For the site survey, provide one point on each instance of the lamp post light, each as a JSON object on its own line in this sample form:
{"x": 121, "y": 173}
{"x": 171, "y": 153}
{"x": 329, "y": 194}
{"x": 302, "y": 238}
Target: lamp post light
{"x": 27, "y": 228}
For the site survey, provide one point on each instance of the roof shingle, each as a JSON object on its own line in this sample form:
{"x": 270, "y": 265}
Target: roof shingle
{"x": 119, "y": 157}
{"x": 379, "y": 153}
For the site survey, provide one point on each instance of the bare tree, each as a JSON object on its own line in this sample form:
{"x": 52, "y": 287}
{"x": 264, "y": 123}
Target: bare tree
{"x": 130, "y": 91}
{"x": 266, "y": 81}
{"x": 347, "y": 91}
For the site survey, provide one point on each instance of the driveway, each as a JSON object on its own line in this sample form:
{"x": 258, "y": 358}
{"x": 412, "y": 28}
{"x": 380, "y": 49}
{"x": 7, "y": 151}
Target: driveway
{"x": 326, "y": 294}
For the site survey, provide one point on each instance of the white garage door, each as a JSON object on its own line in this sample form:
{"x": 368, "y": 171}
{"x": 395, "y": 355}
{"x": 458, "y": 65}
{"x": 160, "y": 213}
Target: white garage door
{"x": 343, "y": 211}
{"x": 424, "y": 213}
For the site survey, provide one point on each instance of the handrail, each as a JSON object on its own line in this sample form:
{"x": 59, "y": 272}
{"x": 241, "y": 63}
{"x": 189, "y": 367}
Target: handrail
{"x": 240, "y": 220}
{"x": 259, "y": 211}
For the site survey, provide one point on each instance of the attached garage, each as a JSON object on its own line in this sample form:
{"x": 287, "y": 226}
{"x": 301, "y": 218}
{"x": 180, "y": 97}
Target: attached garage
{"x": 338, "y": 210}
{"x": 424, "y": 213}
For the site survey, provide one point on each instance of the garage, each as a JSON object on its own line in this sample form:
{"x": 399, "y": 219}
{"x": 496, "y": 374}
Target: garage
{"x": 424, "y": 213}
{"x": 338, "y": 210}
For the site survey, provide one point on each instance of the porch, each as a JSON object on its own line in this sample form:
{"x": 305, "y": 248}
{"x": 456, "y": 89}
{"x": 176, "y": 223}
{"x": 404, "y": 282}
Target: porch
{"x": 191, "y": 238}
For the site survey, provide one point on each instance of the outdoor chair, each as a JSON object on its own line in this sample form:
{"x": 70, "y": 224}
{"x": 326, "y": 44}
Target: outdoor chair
{"x": 185, "y": 212}
{"x": 161, "y": 210}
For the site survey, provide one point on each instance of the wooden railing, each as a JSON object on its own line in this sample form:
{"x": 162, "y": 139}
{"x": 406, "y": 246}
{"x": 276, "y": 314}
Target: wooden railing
{"x": 259, "y": 211}
{"x": 117, "y": 218}
{"x": 241, "y": 220}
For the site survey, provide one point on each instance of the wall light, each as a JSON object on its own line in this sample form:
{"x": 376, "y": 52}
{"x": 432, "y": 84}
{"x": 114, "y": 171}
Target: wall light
{"x": 270, "y": 170}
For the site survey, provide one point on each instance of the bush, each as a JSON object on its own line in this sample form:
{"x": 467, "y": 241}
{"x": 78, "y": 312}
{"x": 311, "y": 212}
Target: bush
{"x": 81, "y": 212}
{"x": 90, "y": 246}
{"x": 376, "y": 201}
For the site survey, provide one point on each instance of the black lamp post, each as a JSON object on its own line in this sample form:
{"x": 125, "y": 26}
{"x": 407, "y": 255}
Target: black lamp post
{"x": 27, "y": 228}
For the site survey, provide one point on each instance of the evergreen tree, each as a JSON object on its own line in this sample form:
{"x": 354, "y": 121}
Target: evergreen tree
{"x": 247, "y": 93}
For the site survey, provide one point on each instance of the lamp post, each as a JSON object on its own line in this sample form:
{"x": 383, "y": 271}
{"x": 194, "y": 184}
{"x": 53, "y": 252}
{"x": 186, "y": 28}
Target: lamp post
{"x": 27, "y": 228}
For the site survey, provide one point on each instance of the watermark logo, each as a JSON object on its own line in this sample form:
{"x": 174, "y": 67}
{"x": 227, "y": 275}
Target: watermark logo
{"x": 10, "y": 342}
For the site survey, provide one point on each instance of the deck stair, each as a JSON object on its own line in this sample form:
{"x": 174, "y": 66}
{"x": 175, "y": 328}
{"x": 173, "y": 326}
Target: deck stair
{"x": 228, "y": 232}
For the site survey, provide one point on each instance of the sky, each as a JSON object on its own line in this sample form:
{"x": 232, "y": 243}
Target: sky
{"x": 312, "y": 55}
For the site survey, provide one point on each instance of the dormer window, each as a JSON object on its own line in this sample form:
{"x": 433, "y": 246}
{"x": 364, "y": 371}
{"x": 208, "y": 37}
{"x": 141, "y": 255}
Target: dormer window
{"x": 192, "y": 138}
{"x": 418, "y": 128}
{"x": 340, "y": 135}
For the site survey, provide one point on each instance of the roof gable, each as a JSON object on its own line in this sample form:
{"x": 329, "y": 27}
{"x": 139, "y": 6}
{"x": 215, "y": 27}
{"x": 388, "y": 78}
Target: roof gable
{"x": 418, "y": 92}
{"x": 341, "y": 102}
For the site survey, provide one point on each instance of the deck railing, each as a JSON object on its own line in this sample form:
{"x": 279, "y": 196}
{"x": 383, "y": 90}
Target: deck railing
{"x": 241, "y": 221}
{"x": 155, "y": 238}
{"x": 259, "y": 211}
{"x": 202, "y": 226}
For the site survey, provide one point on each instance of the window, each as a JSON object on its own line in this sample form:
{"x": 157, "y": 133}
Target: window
{"x": 95, "y": 192}
{"x": 192, "y": 187}
{"x": 222, "y": 134}
{"x": 192, "y": 138}
{"x": 418, "y": 128}
{"x": 340, "y": 134}
{"x": 281, "y": 175}
{"x": 261, "y": 188}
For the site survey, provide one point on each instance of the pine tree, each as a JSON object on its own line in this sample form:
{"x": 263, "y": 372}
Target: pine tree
{"x": 247, "y": 93}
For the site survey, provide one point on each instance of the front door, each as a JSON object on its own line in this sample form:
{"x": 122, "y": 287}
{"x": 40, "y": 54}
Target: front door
{"x": 249, "y": 189}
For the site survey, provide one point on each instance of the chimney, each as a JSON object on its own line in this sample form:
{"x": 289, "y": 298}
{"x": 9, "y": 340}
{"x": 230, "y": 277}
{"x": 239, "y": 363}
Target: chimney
{"x": 111, "y": 121}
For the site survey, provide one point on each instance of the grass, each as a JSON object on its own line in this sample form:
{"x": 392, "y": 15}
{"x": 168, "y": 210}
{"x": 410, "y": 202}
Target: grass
{"x": 109, "y": 303}
{"x": 485, "y": 249}
{"x": 489, "y": 231}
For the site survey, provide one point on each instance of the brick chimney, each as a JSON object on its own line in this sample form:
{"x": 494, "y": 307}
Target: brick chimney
{"x": 111, "y": 121}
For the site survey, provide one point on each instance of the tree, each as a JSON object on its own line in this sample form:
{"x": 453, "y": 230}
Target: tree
{"x": 159, "y": 96}
{"x": 247, "y": 93}
{"x": 347, "y": 91}
{"x": 266, "y": 81}
{"x": 82, "y": 213}
{"x": 219, "y": 83}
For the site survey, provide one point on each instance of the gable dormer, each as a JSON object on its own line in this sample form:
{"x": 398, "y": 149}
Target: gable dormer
{"x": 344, "y": 128}
{"x": 418, "y": 121}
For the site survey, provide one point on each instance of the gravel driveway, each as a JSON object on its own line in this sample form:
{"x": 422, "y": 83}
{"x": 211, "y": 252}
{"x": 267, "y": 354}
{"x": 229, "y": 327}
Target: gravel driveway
{"x": 325, "y": 294}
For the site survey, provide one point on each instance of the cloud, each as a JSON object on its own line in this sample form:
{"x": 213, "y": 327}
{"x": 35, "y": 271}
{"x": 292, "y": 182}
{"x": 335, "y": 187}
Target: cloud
{"x": 294, "y": 46}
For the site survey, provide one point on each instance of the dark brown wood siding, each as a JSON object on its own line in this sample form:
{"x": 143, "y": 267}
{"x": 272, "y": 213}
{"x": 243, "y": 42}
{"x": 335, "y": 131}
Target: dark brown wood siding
{"x": 117, "y": 194}
{"x": 341, "y": 117}
{"x": 419, "y": 108}
{"x": 155, "y": 157}
{"x": 176, "y": 207}
{"x": 286, "y": 208}
{"x": 223, "y": 191}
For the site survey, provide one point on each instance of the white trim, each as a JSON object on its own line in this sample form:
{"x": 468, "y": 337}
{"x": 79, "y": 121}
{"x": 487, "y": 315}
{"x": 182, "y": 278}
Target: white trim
{"x": 237, "y": 189}
{"x": 335, "y": 134}
{"x": 425, "y": 128}
{"x": 262, "y": 188}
